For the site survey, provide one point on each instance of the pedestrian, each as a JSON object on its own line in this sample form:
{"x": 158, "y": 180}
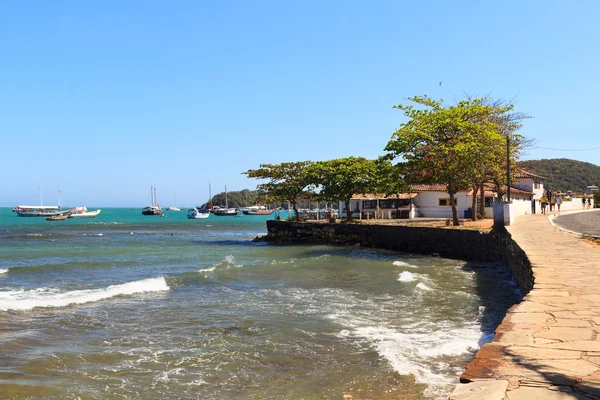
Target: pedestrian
{"x": 558, "y": 203}
{"x": 589, "y": 202}
{"x": 583, "y": 202}
{"x": 544, "y": 203}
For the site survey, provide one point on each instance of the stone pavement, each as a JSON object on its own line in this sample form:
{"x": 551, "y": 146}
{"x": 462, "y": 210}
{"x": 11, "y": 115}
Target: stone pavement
{"x": 548, "y": 346}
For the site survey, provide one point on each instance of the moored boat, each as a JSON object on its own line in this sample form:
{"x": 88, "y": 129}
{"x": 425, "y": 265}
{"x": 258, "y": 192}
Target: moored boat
{"x": 38, "y": 211}
{"x": 197, "y": 213}
{"x": 41, "y": 210}
{"x": 258, "y": 209}
{"x": 174, "y": 206}
{"x": 225, "y": 211}
{"x": 154, "y": 208}
{"x": 61, "y": 217}
{"x": 82, "y": 212}
{"x": 258, "y": 212}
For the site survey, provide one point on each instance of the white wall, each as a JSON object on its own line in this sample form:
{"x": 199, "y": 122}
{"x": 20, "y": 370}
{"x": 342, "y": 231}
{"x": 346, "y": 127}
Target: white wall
{"x": 427, "y": 204}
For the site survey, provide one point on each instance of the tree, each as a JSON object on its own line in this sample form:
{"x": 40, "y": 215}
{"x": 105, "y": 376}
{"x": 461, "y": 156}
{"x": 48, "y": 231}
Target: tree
{"x": 341, "y": 178}
{"x": 288, "y": 181}
{"x": 447, "y": 145}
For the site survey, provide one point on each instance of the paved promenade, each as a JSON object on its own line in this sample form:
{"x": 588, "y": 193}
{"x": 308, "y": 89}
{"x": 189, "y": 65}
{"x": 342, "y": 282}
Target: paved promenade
{"x": 548, "y": 346}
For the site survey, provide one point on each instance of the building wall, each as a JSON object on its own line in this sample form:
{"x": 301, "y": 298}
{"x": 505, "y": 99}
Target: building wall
{"x": 427, "y": 204}
{"x": 528, "y": 184}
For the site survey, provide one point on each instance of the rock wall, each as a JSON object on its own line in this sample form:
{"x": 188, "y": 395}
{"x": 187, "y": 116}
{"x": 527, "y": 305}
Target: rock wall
{"x": 464, "y": 244}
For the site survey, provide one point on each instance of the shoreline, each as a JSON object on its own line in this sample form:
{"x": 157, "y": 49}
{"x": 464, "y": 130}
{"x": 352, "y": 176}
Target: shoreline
{"x": 463, "y": 244}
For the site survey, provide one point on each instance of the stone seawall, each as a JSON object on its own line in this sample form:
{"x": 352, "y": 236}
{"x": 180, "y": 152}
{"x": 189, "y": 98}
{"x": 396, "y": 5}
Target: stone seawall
{"x": 468, "y": 245}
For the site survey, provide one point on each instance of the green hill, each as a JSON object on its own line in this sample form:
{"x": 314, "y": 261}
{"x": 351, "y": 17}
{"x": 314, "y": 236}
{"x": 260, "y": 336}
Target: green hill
{"x": 564, "y": 174}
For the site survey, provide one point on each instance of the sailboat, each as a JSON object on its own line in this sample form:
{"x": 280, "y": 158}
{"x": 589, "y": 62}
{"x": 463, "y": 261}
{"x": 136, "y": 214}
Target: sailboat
{"x": 41, "y": 210}
{"x": 226, "y": 212}
{"x": 155, "y": 208}
{"x": 174, "y": 206}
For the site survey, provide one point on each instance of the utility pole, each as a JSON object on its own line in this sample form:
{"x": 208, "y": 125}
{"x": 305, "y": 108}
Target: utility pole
{"x": 508, "y": 167}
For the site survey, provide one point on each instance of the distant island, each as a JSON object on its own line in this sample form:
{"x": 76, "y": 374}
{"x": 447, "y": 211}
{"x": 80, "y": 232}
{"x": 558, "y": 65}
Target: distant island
{"x": 564, "y": 174}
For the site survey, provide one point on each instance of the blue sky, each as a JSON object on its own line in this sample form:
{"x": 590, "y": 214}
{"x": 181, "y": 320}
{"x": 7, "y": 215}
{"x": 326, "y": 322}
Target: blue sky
{"x": 105, "y": 99}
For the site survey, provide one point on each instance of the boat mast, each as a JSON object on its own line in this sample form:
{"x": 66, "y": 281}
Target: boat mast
{"x": 59, "y": 197}
{"x": 226, "y": 204}
{"x": 154, "y": 196}
{"x": 41, "y": 204}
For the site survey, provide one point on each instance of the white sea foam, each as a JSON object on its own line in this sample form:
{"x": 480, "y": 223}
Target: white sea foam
{"x": 209, "y": 269}
{"x": 45, "y": 297}
{"x": 423, "y": 286}
{"x": 418, "y": 353}
{"x": 406, "y": 276}
{"x": 3, "y": 271}
{"x": 404, "y": 264}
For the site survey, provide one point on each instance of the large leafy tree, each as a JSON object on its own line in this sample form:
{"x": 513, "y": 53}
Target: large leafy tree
{"x": 445, "y": 144}
{"x": 287, "y": 181}
{"x": 340, "y": 178}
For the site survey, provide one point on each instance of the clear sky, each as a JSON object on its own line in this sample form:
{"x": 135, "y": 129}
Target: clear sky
{"x": 107, "y": 98}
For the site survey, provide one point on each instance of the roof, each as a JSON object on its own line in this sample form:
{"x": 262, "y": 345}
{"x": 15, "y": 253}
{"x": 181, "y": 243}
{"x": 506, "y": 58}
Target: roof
{"x": 436, "y": 187}
{"x": 490, "y": 190}
{"x": 367, "y": 196}
{"x": 527, "y": 174}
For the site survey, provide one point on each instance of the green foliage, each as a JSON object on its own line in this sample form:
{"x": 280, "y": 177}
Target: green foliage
{"x": 597, "y": 199}
{"x": 287, "y": 181}
{"x": 242, "y": 198}
{"x": 456, "y": 145}
{"x": 564, "y": 174}
{"x": 341, "y": 178}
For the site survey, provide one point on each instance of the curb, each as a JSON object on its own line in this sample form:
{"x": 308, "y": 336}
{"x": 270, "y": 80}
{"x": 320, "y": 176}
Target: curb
{"x": 551, "y": 220}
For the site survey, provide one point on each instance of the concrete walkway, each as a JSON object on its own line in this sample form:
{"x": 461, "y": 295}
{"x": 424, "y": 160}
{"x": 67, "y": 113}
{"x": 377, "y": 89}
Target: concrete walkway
{"x": 548, "y": 346}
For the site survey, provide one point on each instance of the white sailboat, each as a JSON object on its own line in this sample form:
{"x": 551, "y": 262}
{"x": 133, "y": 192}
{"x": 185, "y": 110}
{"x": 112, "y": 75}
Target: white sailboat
{"x": 174, "y": 206}
{"x": 226, "y": 212}
{"x": 41, "y": 210}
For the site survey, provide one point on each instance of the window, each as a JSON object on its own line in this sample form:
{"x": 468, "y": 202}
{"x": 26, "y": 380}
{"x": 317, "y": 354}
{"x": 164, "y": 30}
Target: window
{"x": 369, "y": 204}
{"x": 489, "y": 202}
{"x": 446, "y": 202}
{"x": 388, "y": 204}
{"x": 536, "y": 184}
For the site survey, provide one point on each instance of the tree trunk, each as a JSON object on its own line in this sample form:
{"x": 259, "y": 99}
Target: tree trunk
{"x": 474, "y": 203}
{"x": 296, "y": 213}
{"x": 482, "y": 194}
{"x": 455, "y": 220}
{"x": 348, "y": 210}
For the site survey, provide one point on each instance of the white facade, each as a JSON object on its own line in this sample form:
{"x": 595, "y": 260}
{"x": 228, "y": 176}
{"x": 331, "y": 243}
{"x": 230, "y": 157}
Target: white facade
{"x": 437, "y": 204}
{"x": 534, "y": 185}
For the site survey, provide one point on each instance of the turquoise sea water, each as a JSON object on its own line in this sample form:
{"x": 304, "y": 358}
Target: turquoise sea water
{"x": 126, "y": 306}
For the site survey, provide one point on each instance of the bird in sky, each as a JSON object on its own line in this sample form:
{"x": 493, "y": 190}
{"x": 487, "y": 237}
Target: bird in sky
{"x": 440, "y": 83}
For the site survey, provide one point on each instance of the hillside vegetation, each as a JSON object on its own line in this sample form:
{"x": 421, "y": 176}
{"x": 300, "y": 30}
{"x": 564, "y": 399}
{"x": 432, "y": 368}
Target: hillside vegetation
{"x": 564, "y": 174}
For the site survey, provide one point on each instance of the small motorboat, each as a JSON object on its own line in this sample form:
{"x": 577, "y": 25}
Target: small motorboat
{"x": 82, "y": 212}
{"x": 61, "y": 217}
{"x": 197, "y": 213}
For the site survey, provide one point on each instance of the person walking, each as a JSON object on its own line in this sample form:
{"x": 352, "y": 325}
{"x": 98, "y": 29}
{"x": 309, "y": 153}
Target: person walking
{"x": 589, "y": 203}
{"x": 544, "y": 203}
{"x": 558, "y": 203}
{"x": 583, "y": 202}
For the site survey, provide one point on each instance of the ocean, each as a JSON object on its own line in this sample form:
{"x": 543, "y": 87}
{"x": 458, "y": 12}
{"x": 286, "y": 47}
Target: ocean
{"x": 125, "y": 306}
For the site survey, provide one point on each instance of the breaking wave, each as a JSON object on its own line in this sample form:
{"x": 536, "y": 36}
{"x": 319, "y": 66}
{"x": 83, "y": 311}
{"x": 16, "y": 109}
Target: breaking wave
{"x": 406, "y": 276}
{"x": 403, "y": 264}
{"x": 46, "y": 297}
{"x": 3, "y": 271}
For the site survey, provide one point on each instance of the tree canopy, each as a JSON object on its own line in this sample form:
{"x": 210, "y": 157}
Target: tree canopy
{"x": 340, "y": 178}
{"x": 287, "y": 181}
{"x": 453, "y": 145}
